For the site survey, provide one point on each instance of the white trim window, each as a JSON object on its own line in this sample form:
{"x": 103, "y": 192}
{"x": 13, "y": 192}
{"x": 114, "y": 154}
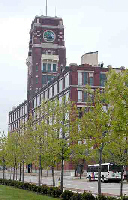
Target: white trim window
{"x": 67, "y": 96}
{"x": 67, "y": 81}
{"x": 60, "y": 85}
{"x": 46, "y": 94}
{"x": 38, "y": 100}
{"x": 55, "y": 89}
{"x": 50, "y": 92}
{"x": 79, "y": 96}
{"x": 79, "y": 78}
{"x": 34, "y": 102}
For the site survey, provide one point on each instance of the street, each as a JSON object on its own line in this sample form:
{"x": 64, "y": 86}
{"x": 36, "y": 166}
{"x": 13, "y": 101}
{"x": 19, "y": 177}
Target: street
{"x": 76, "y": 184}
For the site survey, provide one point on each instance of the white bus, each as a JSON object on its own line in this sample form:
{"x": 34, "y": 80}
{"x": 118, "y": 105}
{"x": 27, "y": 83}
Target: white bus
{"x": 109, "y": 171}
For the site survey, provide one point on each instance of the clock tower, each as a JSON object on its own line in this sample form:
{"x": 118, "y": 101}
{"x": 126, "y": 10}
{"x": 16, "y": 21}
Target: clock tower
{"x": 47, "y": 52}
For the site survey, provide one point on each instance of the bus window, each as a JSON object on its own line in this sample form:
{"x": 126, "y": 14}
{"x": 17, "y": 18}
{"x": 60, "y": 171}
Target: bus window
{"x": 115, "y": 168}
{"x": 104, "y": 168}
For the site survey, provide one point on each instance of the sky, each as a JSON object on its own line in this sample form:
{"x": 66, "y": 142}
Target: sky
{"x": 90, "y": 25}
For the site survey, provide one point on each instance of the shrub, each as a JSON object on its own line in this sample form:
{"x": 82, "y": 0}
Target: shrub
{"x": 125, "y": 198}
{"x": 76, "y": 196}
{"x": 112, "y": 198}
{"x": 66, "y": 195}
{"x": 44, "y": 189}
{"x": 54, "y": 191}
{"x": 87, "y": 196}
{"x": 39, "y": 189}
{"x": 57, "y": 192}
{"x": 102, "y": 197}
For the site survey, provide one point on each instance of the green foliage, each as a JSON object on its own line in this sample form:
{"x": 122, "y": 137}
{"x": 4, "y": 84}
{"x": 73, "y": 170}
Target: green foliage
{"x": 87, "y": 196}
{"x": 76, "y": 196}
{"x": 44, "y": 189}
{"x": 66, "y": 195}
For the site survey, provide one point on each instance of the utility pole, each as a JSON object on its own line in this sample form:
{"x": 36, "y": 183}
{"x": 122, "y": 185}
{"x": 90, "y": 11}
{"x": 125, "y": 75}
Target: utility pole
{"x": 46, "y": 7}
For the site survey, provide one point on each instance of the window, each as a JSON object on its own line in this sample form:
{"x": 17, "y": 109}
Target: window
{"x": 36, "y": 80}
{"x": 49, "y": 67}
{"x": 36, "y": 67}
{"x": 55, "y": 89}
{"x": 50, "y": 92}
{"x": 44, "y": 67}
{"x": 60, "y": 85}
{"x": 46, "y": 94}
{"x": 42, "y": 97}
{"x": 85, "y": 78}
{"x": 67, "y": 81}
{"x": 38, "y": 100}
{"x": 103, "y": 79}
{"x": 34, "y": 102}
{"x": 67, "y": 96}
{"x": 85, "y": 97}
{"x": 79, "y": 78}
{"x": 79, "y": 96}
{"x": 49, "y": 77}
{"x": 54, "y": 67}
{"x": 91, "y": 81}
{"x": 88, "y": 97}
{"x": 44, "y": 79}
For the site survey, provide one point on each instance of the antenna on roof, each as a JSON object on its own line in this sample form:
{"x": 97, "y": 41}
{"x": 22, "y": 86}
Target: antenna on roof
{"x": 46, "y": 7}
{"x": 55, "y": 11}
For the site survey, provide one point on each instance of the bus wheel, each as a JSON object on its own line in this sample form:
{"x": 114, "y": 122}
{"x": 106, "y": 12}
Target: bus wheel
{"x": 89, "y": 178}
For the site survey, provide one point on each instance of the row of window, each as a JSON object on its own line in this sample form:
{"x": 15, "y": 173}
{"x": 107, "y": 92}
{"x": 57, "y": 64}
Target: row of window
{"x": 47, "y": 94}
{"x": 46, "y": 78}
{"x": 53, "y": 90}
{"x": 17, "y": 124}
{"x": 18, "y": 113}
{"x": 49, "y": 67}
{"x": 83, "y": 96}
{"x": 85, "y": 78}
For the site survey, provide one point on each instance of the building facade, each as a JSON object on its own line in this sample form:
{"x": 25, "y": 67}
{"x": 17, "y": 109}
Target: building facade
{"x": 48, "y": 75}
{"x": 69, "y": 83}
{"x": 47, "y": 52}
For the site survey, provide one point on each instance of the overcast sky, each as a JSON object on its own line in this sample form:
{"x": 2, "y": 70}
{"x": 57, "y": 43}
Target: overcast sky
{"x": 90, "y": 25}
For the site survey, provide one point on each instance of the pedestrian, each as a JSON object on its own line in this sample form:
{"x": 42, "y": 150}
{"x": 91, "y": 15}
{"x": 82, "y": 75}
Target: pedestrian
{"x": 59, "y": 182}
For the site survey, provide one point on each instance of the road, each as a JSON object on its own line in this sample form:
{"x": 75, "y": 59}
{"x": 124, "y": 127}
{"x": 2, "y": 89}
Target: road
{"x": 76, "y": 184}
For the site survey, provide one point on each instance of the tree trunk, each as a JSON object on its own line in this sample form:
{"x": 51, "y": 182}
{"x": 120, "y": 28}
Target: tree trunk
{"x": 3, "y": 169}
{"x": 16, "y": 167}
{"x": 53, "y": 176}
{"x": 121, "y": 184}
{"x": 20, "y": 173}
{"x": 62, "y": 171}
{"x": 39, "y": 180}
{"x": 80, "y": 174}
{"x": 23, "y": 173}
{"x": 76, "y": 172}
{"x": 99, "y": 172}
{"x": 41, "y": 171}
{"x": 14, "y": 173}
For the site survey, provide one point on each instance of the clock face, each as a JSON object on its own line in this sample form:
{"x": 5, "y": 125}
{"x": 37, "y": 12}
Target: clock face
{"x": 49, "y": 36}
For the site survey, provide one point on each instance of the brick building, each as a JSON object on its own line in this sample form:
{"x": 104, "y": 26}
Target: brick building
{"x": 48, "y": 75}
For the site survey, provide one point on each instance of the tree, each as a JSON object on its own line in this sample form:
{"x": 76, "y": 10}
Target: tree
{"x": 116, "y": 91}
{"x": 13, "y": 152}
{"x": 26, "y": 145}
{"x": 3, "y": 140}
{"x": 94, "y": 131}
